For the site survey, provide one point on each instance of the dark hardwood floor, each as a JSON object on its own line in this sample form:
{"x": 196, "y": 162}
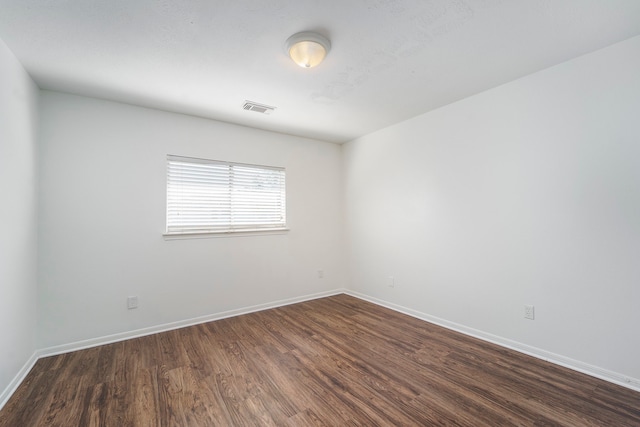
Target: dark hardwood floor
{"x": 334, "y": 361}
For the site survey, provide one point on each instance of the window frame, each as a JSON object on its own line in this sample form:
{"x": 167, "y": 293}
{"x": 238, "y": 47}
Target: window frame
{"x": 235, "y": 187}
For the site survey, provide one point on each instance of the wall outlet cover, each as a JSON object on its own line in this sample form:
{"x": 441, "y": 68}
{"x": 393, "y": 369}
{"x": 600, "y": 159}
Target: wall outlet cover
{"x": 529, "y": 312}
{"x": 132, "y": 302}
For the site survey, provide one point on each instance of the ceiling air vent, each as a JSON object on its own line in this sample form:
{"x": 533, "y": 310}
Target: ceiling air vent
{"x": 258, "y": 108}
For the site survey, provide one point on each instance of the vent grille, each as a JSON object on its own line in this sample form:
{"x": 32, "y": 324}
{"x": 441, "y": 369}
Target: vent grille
{"x": 258, "y": 108}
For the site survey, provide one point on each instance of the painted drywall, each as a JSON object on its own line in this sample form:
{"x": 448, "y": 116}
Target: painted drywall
{"x": 102, "y": 218}
{"x": 528, "y": 193}
{"x": 18, "y": 192}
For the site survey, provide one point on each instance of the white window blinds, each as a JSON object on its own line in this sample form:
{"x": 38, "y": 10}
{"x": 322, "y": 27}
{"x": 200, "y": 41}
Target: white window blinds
{"x": 212, "y": 196}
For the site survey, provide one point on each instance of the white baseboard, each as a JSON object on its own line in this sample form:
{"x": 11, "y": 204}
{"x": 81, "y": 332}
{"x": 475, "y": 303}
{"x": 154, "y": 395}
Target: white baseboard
{"x": 576, "y": 365}
{"x": 108, "y": 339}
{"x": 17, "y": 380}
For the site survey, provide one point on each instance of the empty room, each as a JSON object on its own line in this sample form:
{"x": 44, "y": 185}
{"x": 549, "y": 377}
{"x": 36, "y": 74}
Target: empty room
{"x": 295, "y": 213}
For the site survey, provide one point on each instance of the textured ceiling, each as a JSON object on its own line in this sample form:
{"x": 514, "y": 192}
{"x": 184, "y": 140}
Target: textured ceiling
{"x": 390, "y": 59}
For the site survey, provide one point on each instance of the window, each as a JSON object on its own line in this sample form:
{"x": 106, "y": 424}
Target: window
{"x": 209, "y": 196}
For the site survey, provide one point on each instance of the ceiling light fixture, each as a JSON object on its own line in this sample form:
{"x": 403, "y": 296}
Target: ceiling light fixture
{"x": 307, "y": 49}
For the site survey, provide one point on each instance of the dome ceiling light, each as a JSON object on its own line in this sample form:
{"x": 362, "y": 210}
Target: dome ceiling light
{"x": 307, "y": 49}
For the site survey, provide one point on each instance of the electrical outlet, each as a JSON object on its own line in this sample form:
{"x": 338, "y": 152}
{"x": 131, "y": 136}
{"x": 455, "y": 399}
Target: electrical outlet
{"x": 529, "y": 312}
{"x": 391, "y": 282}
{"x": 132, "y": 302}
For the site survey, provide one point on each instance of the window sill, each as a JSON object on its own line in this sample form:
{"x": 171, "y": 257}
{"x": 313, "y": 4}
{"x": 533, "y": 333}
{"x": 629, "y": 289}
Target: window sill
{"x": 225, "y": 233}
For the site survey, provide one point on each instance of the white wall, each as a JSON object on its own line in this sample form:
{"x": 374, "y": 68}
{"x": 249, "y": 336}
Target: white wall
{"x": 525, "y": 194}
{"x": 102, "y": 215}
{"x": 18, "y": 209}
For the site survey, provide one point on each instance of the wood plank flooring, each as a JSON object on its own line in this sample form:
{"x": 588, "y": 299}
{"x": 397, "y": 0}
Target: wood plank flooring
{"x": 335, "y": 361}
